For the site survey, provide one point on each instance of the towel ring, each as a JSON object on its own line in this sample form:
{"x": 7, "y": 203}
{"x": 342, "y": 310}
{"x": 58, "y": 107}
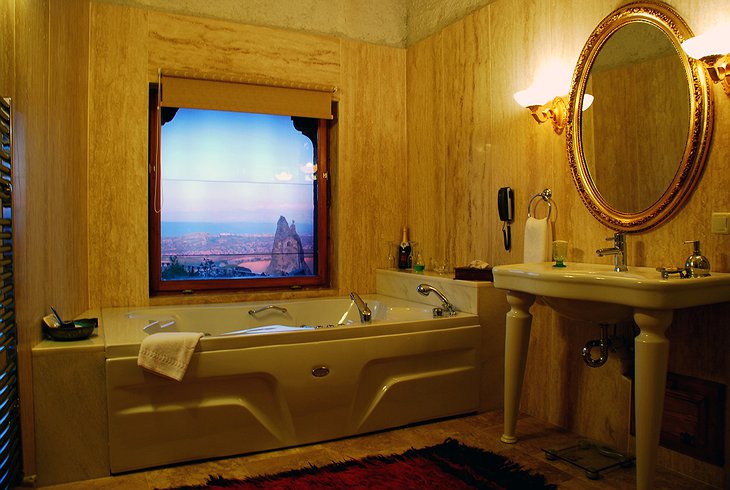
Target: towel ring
{"x": 546, "y": 196}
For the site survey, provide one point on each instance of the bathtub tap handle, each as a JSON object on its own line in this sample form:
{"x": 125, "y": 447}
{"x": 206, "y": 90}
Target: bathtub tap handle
{"x": 267, "y": 307}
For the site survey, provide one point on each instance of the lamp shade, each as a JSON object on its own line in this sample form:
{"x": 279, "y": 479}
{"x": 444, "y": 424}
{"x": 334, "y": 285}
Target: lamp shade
{"x": 532, "y": 96}
{"x": 715, "y": 42}
{"x": 587, "y": 101}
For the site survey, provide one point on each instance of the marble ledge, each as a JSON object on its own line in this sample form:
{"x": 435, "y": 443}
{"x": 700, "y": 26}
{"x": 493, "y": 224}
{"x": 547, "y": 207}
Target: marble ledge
{"x": 95, "y": 343}
{"x": 464, "y": 295}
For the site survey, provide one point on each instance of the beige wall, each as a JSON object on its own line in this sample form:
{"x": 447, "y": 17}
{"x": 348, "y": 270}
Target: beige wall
{"x": 427, "y": 17}
{"x": 426, "y": 136}
{"x": 375, "y": 21}
{"x": 467, "y": 138}
{"x": 48, "y": 88}
{"x": 396, "y": 23}
{"x": 368, "y": 171}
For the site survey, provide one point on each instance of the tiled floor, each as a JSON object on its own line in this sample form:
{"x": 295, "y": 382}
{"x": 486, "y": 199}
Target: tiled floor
{"x": 481, "y": 430}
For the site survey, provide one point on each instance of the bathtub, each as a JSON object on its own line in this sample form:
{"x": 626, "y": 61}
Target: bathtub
{"x": 319, "y": 375}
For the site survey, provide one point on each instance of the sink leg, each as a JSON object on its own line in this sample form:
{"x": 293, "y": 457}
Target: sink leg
{"x": 652, "y": 354}
{"x": 517, "y": 339}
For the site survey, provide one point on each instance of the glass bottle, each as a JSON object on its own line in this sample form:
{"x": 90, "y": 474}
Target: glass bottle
{"x": 404, "y": 251}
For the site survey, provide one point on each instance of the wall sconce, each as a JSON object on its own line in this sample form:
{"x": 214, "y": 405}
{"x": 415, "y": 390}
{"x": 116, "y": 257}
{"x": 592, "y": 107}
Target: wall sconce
{"x": 544, "y": 107}
{"x": 712, "y": 49}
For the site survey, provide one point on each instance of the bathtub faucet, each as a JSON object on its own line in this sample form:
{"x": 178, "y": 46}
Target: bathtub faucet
{"x": 446, "y": 305}
{"x": 362, "y": 307}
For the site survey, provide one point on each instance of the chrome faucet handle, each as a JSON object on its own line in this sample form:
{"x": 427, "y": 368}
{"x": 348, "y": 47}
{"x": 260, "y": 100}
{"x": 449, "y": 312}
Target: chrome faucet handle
{"x": 618, "y": 239}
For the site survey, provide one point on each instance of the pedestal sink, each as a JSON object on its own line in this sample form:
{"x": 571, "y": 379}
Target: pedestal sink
{"x": 595, "y": 292}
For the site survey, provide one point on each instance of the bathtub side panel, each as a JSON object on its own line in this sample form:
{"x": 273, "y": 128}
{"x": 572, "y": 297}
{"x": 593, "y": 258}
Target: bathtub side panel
{"x": 418, "y": 378}
{"x": 237, "y": 408}
{"x": 259, "y": 398}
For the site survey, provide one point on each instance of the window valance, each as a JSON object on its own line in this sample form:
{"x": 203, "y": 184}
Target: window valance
{"x": 225, "y": 95}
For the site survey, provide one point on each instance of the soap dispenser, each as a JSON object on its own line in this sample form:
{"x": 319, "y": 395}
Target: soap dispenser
{"x": 697, "y": 264}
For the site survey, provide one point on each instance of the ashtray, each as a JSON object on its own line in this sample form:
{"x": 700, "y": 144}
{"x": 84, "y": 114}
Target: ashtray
{"x": 74, "y": 330}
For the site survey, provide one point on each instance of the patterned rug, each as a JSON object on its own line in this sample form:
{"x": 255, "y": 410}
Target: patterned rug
{"x": 450, "y": 465}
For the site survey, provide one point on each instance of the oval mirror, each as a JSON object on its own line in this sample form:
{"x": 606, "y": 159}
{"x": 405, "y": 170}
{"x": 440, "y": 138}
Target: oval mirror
{"x": 637, "y": 152}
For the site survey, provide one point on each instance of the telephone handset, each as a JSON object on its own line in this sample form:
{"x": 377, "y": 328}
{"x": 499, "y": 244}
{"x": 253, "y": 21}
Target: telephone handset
{"x": 506, "y": 207}
{"x": 506, "y": 204}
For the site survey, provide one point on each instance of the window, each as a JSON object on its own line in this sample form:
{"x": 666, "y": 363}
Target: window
{"x": 237, "y": 198}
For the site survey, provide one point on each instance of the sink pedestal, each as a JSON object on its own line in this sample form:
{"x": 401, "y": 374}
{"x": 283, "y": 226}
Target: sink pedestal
{"x": 652, "y": 354}
{"x": 597, "y": 293}
{"x": 516, "y": 341}
{"x": 651, "y": 350}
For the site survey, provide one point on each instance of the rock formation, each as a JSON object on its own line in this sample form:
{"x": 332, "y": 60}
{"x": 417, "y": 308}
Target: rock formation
{"x": 287, "y": 254}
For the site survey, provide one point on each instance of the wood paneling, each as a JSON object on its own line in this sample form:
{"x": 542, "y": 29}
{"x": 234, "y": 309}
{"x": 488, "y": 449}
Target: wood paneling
{"x": 468, "y": 70}
{"x": 49, "y": 97}
{"x": 31, "y": 199}
{"x": 368, "y": 172}
{"x": 369, "y": 187}
{"x": 66, "y": 168}
{"x": 224, "y": 48}
{"x": 118, "y": 101}
{"x": 427, "y": 173}
{"x": 7, "y": 47}
{"x": 423, "y": 139}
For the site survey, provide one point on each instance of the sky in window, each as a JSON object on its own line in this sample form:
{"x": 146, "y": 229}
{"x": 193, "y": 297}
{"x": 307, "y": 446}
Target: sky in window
{"x": 227, "y": 167}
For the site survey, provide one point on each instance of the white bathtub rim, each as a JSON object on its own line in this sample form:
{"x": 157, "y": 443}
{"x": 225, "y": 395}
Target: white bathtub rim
{"x": 126, "y": 343}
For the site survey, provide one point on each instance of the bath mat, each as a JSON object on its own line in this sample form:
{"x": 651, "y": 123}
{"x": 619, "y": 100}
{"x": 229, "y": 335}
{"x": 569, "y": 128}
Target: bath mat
{"x": 450, "y": 465}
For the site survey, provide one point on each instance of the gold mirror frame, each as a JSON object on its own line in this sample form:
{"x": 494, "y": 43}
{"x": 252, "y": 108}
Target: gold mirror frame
{"x": 698, "y": 136}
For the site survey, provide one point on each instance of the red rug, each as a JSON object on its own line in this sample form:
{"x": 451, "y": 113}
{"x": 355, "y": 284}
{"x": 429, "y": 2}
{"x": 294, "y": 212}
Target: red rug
{"x": 449, "y": 465}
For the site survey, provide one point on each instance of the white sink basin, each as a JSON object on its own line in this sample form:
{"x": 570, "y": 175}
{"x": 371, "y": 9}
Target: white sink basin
{"x": 641, "y": 287}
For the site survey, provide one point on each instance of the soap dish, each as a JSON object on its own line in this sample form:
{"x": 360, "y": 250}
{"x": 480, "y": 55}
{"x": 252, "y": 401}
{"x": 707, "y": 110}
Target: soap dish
{"x": 74, "y": 330}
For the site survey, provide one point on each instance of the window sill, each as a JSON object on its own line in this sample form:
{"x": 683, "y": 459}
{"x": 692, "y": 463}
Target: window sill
{"x": 239, "y": 296}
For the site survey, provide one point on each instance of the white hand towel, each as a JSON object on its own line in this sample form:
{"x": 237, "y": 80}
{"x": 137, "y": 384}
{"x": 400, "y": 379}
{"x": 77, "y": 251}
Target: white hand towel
{"x": 537, "y": 240}
{"x": 168, "y": 353}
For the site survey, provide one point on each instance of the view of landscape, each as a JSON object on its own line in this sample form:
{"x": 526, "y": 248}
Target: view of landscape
{"x": 204, "y": 255}
{"x": 228, "y": 181}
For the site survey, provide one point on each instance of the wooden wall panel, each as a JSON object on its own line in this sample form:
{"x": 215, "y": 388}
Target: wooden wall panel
{"x": 118, "y": 111}
{"x": 224, "y": 48}
{"x": 522, "y": 37}
{"x": 427, "y": 173}
{"x": 369, "y": 171}
{"x": 31, "y": 199}
{"x": 49, "y": 103}
{"x": 370, "y": 179}
{"x": 465, "y": 57}
{"x": 67, "y": 158}
{"x": 7, "y": 47}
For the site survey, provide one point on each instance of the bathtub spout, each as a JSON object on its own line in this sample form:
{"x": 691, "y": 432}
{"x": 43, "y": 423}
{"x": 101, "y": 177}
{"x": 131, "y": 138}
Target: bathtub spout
{"x": 446, "y": 305}
{"x": 362, "y": 307}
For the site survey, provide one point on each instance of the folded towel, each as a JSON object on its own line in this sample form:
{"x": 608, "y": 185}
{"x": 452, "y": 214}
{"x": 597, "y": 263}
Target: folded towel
{"x": 537, "y": 240}
{"x": 168, "y": 353}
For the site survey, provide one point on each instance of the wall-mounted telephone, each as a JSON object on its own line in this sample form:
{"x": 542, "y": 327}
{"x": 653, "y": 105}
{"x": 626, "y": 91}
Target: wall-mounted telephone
{"x": 506, "y": 207}
{"x": 506, "y": 204}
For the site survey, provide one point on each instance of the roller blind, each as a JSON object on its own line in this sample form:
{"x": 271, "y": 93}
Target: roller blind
{"x": 196, "y": 93}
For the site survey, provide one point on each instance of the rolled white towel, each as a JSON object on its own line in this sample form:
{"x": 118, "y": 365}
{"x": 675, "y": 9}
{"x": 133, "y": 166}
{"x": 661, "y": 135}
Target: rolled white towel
{"x": 168, "y": 353}
{"x": 537, "y": 240}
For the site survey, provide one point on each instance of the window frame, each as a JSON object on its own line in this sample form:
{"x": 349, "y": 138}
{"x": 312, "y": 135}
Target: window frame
{"x": 157, "y": 286}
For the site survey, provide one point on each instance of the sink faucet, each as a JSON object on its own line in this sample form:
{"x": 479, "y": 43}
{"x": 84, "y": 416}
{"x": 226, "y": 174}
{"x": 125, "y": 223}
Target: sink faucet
{"x": 618, "y": 251}
{"x": 362, "y": 307}
{"x": 425, "y": 289}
